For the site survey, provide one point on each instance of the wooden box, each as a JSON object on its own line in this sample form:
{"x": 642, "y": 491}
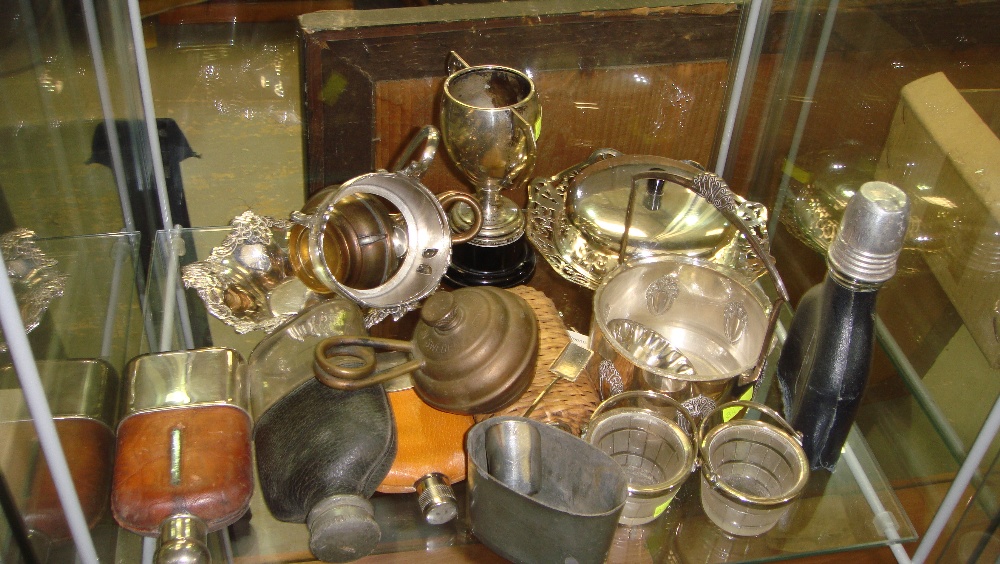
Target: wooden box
{"x": 639, "y": 77}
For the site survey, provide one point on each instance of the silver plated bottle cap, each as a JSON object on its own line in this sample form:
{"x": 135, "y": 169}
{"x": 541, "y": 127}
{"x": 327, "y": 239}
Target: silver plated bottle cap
{"x": 436, "y": 498}
{"x": 871, "y": 233}
{"x": 183, "y": 540}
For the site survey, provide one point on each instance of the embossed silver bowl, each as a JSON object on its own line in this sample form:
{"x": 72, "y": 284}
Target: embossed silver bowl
{"x": 681, "y": 326}
{"x": 576, "y": 218}
{"x": 691, "y": 328}
{"x": 33, "y": 276}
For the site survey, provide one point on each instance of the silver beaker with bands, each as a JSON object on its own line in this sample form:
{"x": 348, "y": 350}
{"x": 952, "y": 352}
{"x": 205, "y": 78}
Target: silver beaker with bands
{"x": 654, "y": 440}
{"x": 751, "y": 471}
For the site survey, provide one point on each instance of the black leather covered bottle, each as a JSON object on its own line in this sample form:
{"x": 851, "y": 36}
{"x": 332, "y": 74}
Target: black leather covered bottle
{"x": 320, "y": 455}
{"x": 321, "y": 452}
{"x": 824, "y": 365}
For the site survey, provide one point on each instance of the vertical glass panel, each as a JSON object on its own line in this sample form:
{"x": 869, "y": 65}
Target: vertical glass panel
{"x": 975, "y": 537}
{"x": 904, "y": 93}
{"x": 96, "y": 313}
{"x": 79, "y": 300}
{"x": 230, "y": 90}
{"x": 55, "y": 173}
{"x": 82, "y": 395}
{"x": 68, "y": 74}
{"x": 15, "y": 545}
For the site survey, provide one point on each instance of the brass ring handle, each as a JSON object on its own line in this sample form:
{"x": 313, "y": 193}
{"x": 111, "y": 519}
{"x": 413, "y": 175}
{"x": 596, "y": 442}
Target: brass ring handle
{"x": 449, "y": 199}
{"x": 715, "y": 480}
{"x": 348, "y": 363}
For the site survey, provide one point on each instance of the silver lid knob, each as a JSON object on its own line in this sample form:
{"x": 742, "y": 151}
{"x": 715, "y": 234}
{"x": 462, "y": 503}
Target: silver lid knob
{"x": 183, "y": 540}
{"x": 871, "y": 233}
{"x": 436, "y": 499}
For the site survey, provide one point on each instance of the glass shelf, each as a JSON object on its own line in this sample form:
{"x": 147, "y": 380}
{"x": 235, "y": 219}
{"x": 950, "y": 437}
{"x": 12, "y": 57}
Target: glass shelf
{"x": 822, "y": 96}
{"x": 97, "y": 313}
{"x": 845, "y": 510}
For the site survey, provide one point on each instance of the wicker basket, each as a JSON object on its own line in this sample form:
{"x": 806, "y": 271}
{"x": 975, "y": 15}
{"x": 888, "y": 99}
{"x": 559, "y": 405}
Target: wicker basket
{"x": 566, "y": 402}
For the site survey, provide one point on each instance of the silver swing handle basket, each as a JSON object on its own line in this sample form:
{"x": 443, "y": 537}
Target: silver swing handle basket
{"x": 713, "y": 189}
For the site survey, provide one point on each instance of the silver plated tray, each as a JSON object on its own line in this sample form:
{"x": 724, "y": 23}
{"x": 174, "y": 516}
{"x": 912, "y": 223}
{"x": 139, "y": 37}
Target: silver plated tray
{"x": 820, "y": 185}
{"x": 576, "y": 219}
{"x": 247, "y": 282}
{"x": 33, "y": 276}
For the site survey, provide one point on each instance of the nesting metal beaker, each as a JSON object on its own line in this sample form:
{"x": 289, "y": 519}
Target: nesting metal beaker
{"x": 751, "y": 471}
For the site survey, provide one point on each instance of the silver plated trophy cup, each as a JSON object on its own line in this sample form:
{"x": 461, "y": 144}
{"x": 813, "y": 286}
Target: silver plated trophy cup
{"x": 490, "y": 122}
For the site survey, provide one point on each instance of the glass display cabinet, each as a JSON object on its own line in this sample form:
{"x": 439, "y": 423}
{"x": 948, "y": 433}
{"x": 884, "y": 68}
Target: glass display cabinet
{"x": 124, "y": 118}
{"x": 878, "y": 93}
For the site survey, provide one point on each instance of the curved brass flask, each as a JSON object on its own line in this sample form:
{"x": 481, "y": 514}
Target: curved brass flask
{"x": 473, "y": 351}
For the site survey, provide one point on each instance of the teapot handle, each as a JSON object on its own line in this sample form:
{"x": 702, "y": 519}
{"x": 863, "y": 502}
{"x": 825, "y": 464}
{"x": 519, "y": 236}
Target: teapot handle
{"x": 455, "y": 63}
{"x": 430, "y": 137}
{"x": 348, "y": 362}
{"x": 449, "y": 199}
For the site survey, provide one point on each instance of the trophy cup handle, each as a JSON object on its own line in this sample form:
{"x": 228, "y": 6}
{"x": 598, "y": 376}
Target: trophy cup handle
{"x": 455, "y": 63}
{"x": 531, "y": 136}
{"x": 533, "y": 130}
{"x": 430, "y": 137}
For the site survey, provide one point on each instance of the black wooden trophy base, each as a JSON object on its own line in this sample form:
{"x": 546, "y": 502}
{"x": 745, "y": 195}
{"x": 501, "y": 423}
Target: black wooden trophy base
{"x": 505, "y": 266}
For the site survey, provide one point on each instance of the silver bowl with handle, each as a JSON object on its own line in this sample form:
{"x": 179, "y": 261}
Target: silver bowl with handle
{"x": 691, "y": 328}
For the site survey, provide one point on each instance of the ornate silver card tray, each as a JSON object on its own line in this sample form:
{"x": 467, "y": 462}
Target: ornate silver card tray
{"x": 33, "y": 276}
{"x": 812, "y": 219}
{"x": 576, "y": 219}
{"x": 247, "y": 282}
